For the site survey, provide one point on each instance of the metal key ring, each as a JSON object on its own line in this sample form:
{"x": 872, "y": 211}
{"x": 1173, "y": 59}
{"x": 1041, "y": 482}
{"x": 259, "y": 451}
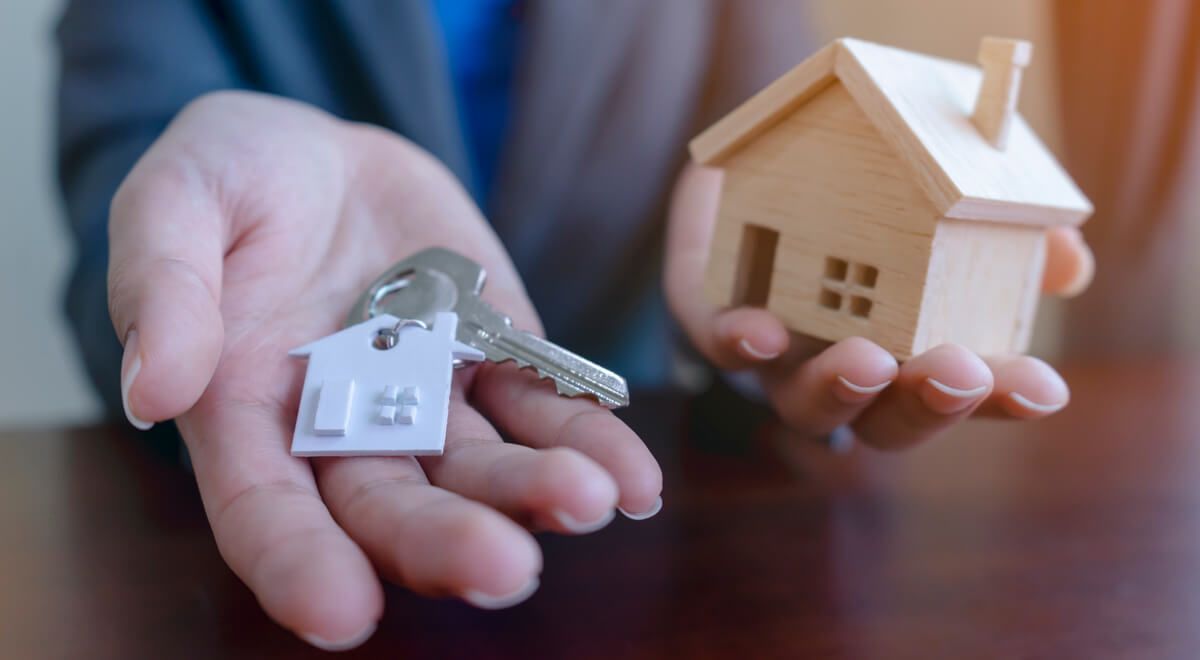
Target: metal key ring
{"x": 387, "y": 337}
{"x": 406, "y": 292}
{"x": 375, "y": 294}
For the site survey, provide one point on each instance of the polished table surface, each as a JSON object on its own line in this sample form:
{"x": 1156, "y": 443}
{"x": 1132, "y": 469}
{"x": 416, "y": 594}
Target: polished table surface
{"x": 1078, "y": 536}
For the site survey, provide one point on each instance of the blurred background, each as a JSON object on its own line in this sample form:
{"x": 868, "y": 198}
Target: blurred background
{"x": 1085, "y": 67}
{"x": 43, "y": 381}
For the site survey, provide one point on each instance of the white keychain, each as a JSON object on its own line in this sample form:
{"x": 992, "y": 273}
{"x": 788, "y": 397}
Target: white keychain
{"x": 379, "y": 388}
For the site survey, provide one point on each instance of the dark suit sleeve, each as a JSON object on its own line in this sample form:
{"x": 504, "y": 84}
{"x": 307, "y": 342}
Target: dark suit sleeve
{"x": 127, "y": 67}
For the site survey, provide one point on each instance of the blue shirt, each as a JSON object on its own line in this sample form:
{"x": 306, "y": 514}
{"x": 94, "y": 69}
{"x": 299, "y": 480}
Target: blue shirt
{"x": 481, "y": 49}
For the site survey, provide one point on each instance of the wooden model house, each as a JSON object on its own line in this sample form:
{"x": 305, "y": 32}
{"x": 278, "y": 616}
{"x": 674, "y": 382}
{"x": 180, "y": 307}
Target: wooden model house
{"x": 886, "y": 194}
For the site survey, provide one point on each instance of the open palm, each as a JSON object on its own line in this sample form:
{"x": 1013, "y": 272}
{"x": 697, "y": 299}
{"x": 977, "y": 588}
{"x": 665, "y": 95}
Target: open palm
{"x": 819, "y": 389}
{"x": 249, "y": 229}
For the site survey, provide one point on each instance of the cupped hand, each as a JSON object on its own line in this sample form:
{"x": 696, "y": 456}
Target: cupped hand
{"x": 248, "y": 229}
{"x": 817, "y": 388}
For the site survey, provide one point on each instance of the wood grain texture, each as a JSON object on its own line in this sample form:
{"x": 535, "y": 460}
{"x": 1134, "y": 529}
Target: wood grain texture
{"x": 1076, "y": 537}
{"x": 826, "y": 180}
{"x": 860, "y": 168}
{"x": 982, "y": 288}
{"x": 1002, "y": 61}
{"x": 765, "y": 109}
{"x": 921, "y": 105}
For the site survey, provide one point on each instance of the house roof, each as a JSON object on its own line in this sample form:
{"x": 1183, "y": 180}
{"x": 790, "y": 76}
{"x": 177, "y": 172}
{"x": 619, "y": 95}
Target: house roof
{"x": 922, "y": 106}
{"x": 360, "y": 335}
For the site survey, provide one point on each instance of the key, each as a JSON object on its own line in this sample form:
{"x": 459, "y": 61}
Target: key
{"x": 439, "y": 280}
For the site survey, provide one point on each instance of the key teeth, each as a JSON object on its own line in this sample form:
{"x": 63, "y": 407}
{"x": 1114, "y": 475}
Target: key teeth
{"x": 566, "y": 389}
{"x": 569, "y": 390}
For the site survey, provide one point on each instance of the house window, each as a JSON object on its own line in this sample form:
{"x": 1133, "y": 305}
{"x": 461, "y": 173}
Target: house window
{"x": 835, "y": 269}
{"x": 849, "y": 287}
{"x": 831, "y": 299}
{"x": 866, "y": 276}
{"x": 860, "y": 306}
{"x": 397, "y": 405}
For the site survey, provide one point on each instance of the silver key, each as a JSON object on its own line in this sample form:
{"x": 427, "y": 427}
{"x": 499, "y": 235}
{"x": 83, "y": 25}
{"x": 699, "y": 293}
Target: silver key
{"x": 437, "y": 279}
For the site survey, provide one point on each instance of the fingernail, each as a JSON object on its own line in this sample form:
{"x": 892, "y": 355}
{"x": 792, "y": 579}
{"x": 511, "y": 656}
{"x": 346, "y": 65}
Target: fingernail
{"x": 342, "y": 645}
{"x": 858, "y": 393}
{"x": 489, "y": 602}
{"x": 649, "y": 513}
{"x": 131, "y": 364}
{"x": 757, "y": 354}
{"x": 955, "y": 399}
{"x": 1042, "y": 408}
{"x": 575, "y": 527}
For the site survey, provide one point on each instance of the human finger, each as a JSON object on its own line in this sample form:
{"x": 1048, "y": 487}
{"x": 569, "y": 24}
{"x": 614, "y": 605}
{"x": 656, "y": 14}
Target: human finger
{"x": 530, "y": 412}
{"x": 164, "y": 287}
{"x": 426, "y": 538}
{"x": 272, "y": 527}
{"x": 730, "y": 339}
{"x": 1070, "y": 264}
{"x": 1026, "y": 388}
{"x": 832, "y": 388}
{"x": 932, "y": 392}
{"x": 556, "y": 488}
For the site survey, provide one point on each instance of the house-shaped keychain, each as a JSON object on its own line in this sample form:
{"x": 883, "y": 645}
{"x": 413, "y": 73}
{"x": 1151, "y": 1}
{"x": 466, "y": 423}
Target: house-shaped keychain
{"x": 379, "y": 388}
{"x": 881, "y": 193}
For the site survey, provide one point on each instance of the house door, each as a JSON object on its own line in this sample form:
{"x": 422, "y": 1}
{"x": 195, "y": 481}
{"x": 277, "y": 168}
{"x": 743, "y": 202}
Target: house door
{"x": 756, "y": 265}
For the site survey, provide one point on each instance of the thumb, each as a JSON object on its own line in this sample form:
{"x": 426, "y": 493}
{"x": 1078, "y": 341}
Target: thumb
{"x": 1070, "y": 264}
{"x": 729, "y": 338}
{"x": 164, "y": 279}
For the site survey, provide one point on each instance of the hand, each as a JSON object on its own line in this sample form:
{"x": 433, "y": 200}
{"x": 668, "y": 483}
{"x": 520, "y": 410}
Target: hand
{"x": 250, "y": 228}
{"x": 817, "y": 388}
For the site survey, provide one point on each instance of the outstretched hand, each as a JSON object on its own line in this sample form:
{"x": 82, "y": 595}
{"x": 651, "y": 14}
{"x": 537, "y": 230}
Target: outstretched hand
{"x": 816, "y": 387}
{"x": 250, "y": 228}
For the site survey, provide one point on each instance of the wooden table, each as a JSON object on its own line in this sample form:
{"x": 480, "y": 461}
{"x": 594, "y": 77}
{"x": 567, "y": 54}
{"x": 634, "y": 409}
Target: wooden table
{"x": 1074, "y": 537}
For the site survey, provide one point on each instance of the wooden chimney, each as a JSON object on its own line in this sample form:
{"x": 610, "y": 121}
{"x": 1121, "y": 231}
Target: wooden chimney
{"x": 1002, "y": 61}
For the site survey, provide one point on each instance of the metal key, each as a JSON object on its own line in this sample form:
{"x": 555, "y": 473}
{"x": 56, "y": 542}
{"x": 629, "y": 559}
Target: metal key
{"x": 437, "y": 280}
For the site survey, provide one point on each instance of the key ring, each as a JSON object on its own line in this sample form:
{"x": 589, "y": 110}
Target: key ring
{"x": 383, "y": 289}
{"x": 406, "y": 291}
{"x": 387, "y": 337}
